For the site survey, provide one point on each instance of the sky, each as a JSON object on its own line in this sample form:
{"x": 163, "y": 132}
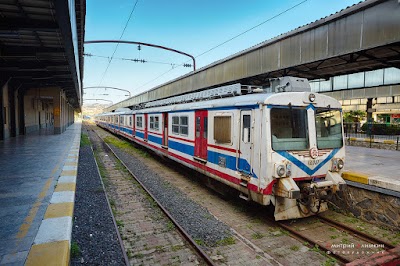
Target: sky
{"x": 193, "y": 27}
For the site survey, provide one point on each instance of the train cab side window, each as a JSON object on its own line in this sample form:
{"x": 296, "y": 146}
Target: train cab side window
{"x": 246, "y": 129}
{"x": 222, "y": 129}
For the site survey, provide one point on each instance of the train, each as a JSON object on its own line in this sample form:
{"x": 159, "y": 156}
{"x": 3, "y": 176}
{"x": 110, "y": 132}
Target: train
{"x": 279, "y": 144}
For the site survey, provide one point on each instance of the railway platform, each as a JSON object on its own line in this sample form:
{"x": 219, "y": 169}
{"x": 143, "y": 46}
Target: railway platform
{"x": 37, "y": 191}
{"x": 376, "y": 168}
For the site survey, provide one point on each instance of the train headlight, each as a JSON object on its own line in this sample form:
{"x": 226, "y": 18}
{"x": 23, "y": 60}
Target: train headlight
{"x": 337, "y": 165}
{"x": 281, "y": 170}
{"x": 288, "y": 169}
{"x": 340, "y": 164}
{"x": 311, "y": 97}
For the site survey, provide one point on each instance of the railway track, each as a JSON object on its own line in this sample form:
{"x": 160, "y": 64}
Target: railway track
{"x": 206, "y": 260}
{"x": 191, "y": 242}
{"x": 265, "y": 237}
{"x": 351, "y": 244}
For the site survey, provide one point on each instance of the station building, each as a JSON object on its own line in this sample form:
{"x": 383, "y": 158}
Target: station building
{"x": 41, "y": 65}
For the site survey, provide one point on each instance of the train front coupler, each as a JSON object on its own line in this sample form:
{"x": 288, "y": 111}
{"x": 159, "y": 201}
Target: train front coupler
{"x": 296, "y": 200}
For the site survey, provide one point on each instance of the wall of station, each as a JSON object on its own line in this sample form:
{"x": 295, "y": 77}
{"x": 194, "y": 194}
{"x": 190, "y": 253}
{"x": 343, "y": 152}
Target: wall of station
{"x": 371, "y": 206}
{"x": 381, "y": 86}
{"x": 27, "y": 111}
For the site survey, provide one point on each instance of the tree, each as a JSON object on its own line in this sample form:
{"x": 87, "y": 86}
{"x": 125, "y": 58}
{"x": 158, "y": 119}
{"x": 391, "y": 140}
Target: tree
{"x": 354, "y": 116}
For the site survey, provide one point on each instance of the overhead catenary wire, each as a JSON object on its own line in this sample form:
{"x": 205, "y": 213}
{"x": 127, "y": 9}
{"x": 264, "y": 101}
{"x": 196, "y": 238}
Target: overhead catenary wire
{"x": 116, "y": 47}
{"x": 135, "y": 60}
{"x": 230, "y": 39}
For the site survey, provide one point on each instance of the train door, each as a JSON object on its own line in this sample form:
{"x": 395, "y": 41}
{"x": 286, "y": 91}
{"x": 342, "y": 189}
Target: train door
{"x": 245, "y": 142}
{"x": 201, "y": 126}
{"x": 146, "y": 130}
{"x": 119, "y": 123}
{"x": 133, "y": 126}
{"x": 165, "y": 130}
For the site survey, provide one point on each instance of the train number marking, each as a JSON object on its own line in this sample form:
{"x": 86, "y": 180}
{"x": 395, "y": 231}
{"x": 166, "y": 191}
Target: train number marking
{"x": 313, "y": 162}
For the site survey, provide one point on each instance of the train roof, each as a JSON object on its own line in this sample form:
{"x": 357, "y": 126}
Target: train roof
{"x": 273, "y": 99}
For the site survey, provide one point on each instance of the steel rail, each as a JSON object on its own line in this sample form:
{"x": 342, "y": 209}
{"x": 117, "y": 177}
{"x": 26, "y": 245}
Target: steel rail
{"x": 198, "y": 249}
{"x": 337, "y": 256}
{"x": 355, "y": 233}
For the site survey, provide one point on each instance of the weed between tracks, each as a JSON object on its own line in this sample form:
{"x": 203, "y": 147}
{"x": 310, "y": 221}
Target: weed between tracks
{"x": 85, "y": 141}
{"x": 124, "y": 145}
{"x": 75, "y": 251}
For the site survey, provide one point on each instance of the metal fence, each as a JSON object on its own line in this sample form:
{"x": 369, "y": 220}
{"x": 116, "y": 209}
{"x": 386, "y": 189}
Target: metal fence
{"x": 374, "y": 132}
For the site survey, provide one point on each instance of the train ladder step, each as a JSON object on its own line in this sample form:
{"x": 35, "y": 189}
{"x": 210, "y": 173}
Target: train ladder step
{"x": 244, "y": 197}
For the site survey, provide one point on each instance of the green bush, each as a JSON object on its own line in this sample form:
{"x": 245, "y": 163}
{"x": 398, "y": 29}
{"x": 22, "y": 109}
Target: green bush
{"x": 381, "y": 129}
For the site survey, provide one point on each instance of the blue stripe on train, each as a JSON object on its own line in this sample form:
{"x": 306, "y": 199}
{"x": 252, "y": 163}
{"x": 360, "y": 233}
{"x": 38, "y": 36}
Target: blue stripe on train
{"x": 140, "y": 134}
{"x": 188, "y": 149}
{"x": 154, "y": 139}
{"x": 304, "y": 167}
{"x": 230, "y": 162}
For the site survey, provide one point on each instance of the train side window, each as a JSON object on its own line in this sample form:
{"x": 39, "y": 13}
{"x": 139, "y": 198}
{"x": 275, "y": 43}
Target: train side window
{"x": 122, "y": 120}
{"x": 151, "y": 122}
{"x": 222, "y": 129}
{"x": 205, "y": 128}
{"x": 246, "y": 129}
{"x": 130, "y": 121}
{"x": 154, "y": 122}
{"x": 139, "y": 121}
{"x": 198, "y": 127}
{"x": 183, "y": 126}
{"x": 175, "y": 125}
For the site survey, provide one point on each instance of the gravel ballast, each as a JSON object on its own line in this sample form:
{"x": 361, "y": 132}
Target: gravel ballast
{"x": 93, "y": 227}
{"x": 197, "y": 221}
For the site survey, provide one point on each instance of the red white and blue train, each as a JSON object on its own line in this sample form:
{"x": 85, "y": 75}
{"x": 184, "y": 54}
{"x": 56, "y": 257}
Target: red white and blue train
{"x": 281, "y": 145}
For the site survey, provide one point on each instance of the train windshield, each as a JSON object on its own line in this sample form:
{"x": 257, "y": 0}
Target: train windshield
{"x": 289, "y": 129}
{"x": 329, "y": 128}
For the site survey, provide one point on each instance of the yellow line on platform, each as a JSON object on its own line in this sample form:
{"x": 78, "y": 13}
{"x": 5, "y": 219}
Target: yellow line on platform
{"x": 388, "y": 141}
{"x": 65, "y": 187}
{"x": 59, "y": 210}
{"x": 53, "y": 253}
{"x": 69, "y": 173}
{"x": 355, "y": 177}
